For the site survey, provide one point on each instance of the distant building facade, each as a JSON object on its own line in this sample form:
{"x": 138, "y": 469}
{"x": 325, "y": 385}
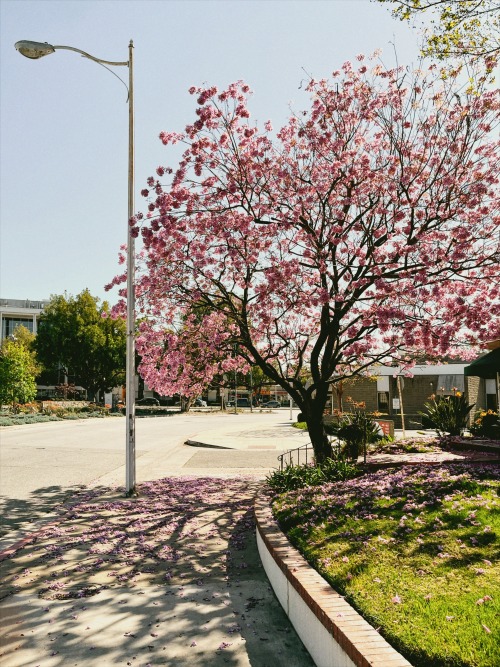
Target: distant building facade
{"x": 381, "y": 393}
{"x": 16, "y": 312}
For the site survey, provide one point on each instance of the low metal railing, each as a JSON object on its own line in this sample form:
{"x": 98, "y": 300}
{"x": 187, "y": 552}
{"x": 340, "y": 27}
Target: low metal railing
{"x": 293, "y": 456}
{"x": 306, "y": 453}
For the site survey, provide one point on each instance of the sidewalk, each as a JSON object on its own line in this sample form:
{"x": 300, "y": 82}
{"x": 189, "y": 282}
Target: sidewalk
{"x": 170, "y": 578}
{"x": 239, "y": 444}
{"x": 273, "y": 437}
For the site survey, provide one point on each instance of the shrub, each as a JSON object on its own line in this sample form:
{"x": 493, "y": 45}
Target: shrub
{"x": 485, "y": 423}
{"x": 302, "y": 426}
{"x": 53, "y": 410}
{"x": 26, "y": 408}
{"x": 33, "y": 413}
{"x": 446, "y": 414}
{"x": 298, "y": 476}
{"x": 357, "y": 430}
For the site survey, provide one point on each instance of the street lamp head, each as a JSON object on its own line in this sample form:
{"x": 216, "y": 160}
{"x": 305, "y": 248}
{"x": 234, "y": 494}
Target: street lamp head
{"x": 34, "y": 50}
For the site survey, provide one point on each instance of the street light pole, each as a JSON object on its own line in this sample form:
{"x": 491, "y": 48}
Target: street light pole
{"x": 130, "y": 355}
{"x": 34, "y": 51}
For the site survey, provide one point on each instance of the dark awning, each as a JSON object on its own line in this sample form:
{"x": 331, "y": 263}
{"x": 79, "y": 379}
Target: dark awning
{"x": 485, "y": 367}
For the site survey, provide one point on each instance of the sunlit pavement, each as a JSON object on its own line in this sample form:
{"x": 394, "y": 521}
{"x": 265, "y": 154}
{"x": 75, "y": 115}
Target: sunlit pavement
{"x": 171, "y": 578}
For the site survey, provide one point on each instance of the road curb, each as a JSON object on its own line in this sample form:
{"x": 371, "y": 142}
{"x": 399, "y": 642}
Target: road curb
{"x": 204, "y": 445}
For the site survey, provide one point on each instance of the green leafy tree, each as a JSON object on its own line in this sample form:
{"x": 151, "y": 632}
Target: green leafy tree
{"x": 469, "y": 28}
{"x": 75, "y": 333}
{"x": 18, "y": 368}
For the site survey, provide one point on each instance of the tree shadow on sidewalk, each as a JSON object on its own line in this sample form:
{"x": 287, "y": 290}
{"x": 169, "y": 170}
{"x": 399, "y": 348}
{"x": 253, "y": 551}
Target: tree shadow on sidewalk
{"x": 172, "y": 577}
{"x": 17, "y": 513}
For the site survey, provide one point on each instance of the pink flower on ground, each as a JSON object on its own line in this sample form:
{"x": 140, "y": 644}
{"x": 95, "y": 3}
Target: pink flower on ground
{"x": 396, "y": 600}
{"x": 487, "y": 598}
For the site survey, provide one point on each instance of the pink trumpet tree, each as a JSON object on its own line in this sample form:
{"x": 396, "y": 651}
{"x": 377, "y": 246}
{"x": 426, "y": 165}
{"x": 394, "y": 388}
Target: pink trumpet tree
{"x": 366, "y": 230}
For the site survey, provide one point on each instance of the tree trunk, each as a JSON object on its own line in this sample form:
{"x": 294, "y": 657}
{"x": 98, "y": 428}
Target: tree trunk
{"x": 185, "y": 404}
{"x": 313, "y": 414}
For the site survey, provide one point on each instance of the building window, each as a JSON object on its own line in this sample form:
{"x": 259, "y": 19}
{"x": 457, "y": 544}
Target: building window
{"x": 383, "y": 401}
{"x": 383, "y": 394}
{"x": 9, "y": 325}
{"x": 448, "y": 385}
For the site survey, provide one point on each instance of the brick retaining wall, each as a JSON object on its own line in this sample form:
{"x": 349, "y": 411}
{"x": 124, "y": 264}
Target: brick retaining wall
{"x": 332, "y": 631}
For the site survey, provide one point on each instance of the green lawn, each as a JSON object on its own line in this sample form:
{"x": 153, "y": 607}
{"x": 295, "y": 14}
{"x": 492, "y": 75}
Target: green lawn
{"x": 415, "y": 550}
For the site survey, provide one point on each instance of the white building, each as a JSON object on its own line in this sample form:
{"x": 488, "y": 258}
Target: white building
{"x": 15, "y": 312}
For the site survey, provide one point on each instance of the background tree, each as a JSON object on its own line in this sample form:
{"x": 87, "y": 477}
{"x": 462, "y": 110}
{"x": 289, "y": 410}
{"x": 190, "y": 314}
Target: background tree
{"x": 176, "y": 356}
{"x": 75, "y": 333}
{"x": 469, "y": 28}
{"x": 256, "y": 381}
{"x": 18, "y": 368}
{"x": 364, "y": 232}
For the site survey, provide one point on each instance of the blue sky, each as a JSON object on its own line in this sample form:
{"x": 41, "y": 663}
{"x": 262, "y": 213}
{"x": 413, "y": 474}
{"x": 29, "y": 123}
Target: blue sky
{"x": 63, "y": 119}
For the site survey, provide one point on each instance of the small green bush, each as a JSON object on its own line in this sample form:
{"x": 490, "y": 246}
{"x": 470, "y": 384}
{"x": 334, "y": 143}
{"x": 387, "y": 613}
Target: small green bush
{"x": 298, "y": 476}
{"x": 485, "y": 423}
{"x": 302, "y": 426}
{"x": 357, "y": 430}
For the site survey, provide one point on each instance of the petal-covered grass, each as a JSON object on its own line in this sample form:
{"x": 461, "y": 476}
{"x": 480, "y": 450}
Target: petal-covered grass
{"x": 415, "y": 550}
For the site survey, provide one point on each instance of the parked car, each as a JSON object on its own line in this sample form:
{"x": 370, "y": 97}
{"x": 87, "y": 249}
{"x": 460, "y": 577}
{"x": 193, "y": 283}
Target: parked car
{"x": 148, "y": 401}
{"x": 241, "y": 403}
{"x": 200, "y": 403}
{"x": 271, "y": 404}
